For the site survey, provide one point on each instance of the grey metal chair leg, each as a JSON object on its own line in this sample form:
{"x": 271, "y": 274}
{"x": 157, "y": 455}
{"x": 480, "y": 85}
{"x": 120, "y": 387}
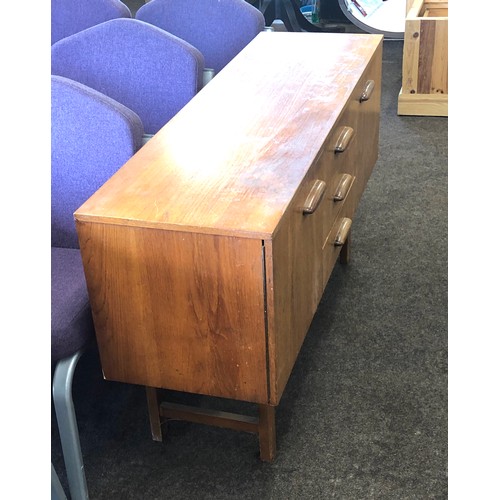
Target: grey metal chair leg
{"x": 62, "y": 384}
{"x": 208, "y": 74}
{"x": 56, "y": 489}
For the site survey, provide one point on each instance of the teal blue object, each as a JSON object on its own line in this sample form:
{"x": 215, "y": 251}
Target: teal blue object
{"x": 315, "y": 12}
{"x": 311, "y": 11}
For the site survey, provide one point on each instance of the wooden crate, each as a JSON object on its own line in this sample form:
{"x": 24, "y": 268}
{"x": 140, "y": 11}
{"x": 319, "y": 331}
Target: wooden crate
{"x": 424, "y": 88}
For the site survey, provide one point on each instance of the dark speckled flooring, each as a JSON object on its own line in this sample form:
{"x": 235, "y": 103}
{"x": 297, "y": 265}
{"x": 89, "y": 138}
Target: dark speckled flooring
{"x": 364, "y": 414}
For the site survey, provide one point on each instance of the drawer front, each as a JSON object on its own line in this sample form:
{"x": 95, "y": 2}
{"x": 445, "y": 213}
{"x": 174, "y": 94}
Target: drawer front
{"x": 339, "y": 167}
{"x": 337, "y": 235}
{"x": 353, "y": 142}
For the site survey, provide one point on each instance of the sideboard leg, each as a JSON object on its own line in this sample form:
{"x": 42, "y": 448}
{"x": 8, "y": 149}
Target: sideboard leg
{"x": 345, "y": 251}
{"x": 154, "y": 413}
{"x": 267, "y": 432}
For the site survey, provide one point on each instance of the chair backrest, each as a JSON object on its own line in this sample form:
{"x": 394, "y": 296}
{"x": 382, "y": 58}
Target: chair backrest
{"x": 71, "y": 16}
{"x": 219, "y": 29}
{"x": 145, "y": 68}
{"x": 92, "y": 137}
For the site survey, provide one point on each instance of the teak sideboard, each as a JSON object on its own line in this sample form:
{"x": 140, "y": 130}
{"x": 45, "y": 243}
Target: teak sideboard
{"x": 207, "y": 253}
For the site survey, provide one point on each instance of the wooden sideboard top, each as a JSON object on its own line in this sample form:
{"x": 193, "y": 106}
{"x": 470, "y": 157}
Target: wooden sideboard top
{"x": 231, "y": 160}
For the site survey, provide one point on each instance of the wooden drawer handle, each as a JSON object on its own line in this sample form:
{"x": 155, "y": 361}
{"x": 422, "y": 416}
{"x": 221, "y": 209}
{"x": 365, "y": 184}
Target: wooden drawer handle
{"x": 367, "y": 91}
{"x": 343, "y": 139}
{"x": 343, "y": 232}
{"x": 343, "y": 187}
{"x": 314, "y": 197}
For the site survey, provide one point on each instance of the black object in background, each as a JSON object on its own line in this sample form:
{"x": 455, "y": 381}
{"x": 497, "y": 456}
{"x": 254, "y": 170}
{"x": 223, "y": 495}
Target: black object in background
{"x": 330, "y": 11}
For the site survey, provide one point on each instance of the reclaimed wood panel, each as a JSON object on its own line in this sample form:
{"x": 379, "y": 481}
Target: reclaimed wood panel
{"x": 424, "y": 88}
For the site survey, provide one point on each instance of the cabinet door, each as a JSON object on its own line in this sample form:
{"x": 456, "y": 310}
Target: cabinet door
{"x": 295, "y": 276}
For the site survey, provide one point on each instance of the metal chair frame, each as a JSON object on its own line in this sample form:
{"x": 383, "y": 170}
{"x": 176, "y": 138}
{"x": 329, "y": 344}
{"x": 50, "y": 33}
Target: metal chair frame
{"x": 62, "y": 394}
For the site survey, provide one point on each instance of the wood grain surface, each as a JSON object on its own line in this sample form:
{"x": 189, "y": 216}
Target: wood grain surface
{"x": 232, "y": 159}
{"x": 203, "y": 267}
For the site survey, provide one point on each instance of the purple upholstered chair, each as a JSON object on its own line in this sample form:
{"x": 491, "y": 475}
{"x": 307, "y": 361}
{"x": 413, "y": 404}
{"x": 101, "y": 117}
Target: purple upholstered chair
{"x": 92, "y": 137}
{"x": 219, "y": 29}
{"x": 139, "y": 65}
{"x": 71, "y": 16}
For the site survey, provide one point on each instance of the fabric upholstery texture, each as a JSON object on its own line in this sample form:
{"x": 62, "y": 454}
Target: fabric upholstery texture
{"x": 219, "y": 29}
{"x": 92, "y": 137}
{"x": 150, "y": 71}
{"x": 71, "y": 16}
{"x": 71, "y": 320}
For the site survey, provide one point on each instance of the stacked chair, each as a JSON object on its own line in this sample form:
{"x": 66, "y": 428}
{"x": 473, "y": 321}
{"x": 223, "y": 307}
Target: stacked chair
{"x": 219, "y": 29}
{"x": 71, "y": 16}
{"x": 116, "y": 80}
{"x": 92, "y": 136}
{"x": 148, "y": 70}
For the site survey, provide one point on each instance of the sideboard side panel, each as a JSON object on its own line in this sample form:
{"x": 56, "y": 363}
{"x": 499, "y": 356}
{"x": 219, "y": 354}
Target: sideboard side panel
{"x": 176, "y": 310}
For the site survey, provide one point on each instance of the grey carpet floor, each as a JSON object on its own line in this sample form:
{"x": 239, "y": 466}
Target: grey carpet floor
{"x": 364, "y": 414}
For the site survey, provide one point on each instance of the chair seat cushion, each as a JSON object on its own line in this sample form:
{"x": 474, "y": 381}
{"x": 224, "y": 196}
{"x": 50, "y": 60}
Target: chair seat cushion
{"x": 72, "y": 325}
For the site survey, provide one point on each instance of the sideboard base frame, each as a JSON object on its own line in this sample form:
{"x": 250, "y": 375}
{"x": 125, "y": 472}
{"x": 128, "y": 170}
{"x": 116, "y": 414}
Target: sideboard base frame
{"x": 264, "y": 425}
{"x": 160, "y": 412}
